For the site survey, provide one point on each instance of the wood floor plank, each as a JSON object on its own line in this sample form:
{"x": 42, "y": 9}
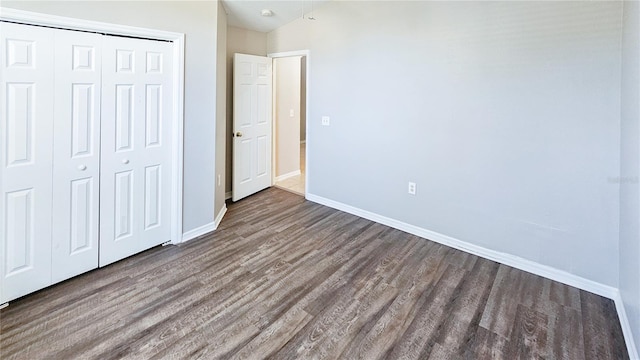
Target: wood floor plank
{"x": 602, "y": 333}
{"x": 460, "y": 328}
{"x": 486, "y": 345}
{"x": 276, "y": 335}
{"x": 511, "y": 288}
{"x": 565, "y": 332}
{"x": 564, "y": 295}
{"x": 528, "y": 336}
{"x": 285, "y": 278}
{"x": 426, "y": 322}
{"x": 378, "y": 338}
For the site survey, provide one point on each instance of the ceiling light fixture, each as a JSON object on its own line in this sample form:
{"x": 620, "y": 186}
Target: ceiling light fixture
{"x": 266, "y": 13}
{"x": 310, "y": 17}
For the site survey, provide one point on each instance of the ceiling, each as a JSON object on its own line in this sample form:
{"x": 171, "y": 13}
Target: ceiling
{"x": 246, "y": 13}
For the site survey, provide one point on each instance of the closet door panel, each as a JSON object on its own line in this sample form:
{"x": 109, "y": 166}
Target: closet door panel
{"x": 136, "y": 146}
{"x": 26, "y": 128}
{"x": 157, "y": 142}
{"x": 76, "y": 184}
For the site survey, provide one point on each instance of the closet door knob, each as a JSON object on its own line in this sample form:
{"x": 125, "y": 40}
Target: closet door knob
{"x": 82, "y": 167}
{"x": 125, "y": 161}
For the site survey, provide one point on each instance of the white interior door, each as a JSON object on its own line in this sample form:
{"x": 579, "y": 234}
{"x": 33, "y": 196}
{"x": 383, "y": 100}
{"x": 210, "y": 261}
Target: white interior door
{"x": 26, "y": 125}
{"x": 135, "y": 193}
{"x": 76, "y": 162}
{"x": 252, "y": 112}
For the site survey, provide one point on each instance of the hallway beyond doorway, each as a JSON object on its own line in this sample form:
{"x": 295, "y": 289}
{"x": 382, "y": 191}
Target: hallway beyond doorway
{"x": 296, "y": 184}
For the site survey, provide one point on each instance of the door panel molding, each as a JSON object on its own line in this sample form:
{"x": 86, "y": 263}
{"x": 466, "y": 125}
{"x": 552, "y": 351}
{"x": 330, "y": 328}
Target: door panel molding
{"x": 26, "y": 159}
{"x": 76, "y": 153}
{"x": 134, "y": 206}
{"x": 252, "y": 125}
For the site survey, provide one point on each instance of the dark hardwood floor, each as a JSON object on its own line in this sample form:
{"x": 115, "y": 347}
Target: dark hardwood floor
{"x": 289, "y": 279}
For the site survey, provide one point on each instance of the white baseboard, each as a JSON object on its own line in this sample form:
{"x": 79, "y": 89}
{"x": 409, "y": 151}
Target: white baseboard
{"x": 199, "y": 231}
{"x": 228, "y": 195}
{"x": 626, "y": 327}
{"x": 220, "y": 215}
{"x": 503, "y": 258}
{"x": 205, "y": 229}
{"x": 288, "y": 175}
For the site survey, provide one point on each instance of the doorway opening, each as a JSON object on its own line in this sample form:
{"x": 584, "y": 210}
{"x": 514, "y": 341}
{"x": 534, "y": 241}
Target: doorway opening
{"x": 290, "y": 121}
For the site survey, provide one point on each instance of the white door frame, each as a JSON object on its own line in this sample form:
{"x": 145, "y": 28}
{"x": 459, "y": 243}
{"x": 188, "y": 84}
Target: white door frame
{"x": 32, "y": 18}
{"x": 307, "y": 55}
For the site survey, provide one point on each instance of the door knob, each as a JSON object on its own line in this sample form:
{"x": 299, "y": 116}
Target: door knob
{"x": 125, "y": 161}
{"x": 239, "y": 134}
{"x": 82, "y": 167}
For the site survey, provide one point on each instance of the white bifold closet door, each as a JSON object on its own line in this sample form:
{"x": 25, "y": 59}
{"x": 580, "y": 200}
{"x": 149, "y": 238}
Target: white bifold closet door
{"x": 50, "y": 155}
{"x": 26, "y": 128}
{"x": 85, "y": 152}
{"x": 136, "y": 146}
{"x": 76, "y": 153}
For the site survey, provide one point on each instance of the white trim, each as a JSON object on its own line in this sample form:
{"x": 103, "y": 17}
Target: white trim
{"x": 220, "y": 215}
{"x": 288, "y": 175}
{"x": 289, "y": 54}
{"x": 307, "y": 55}
{"x": 33, "y": 18}
{"x": 274, "y": 118}
{"x": 626, "y": 327}
{"x": 178, "y": 140}
{"x": 205, "y": 229}
{"x": 228, "y": 195}
{"x": 303, "y": 142}
{"x": 503, "y": 258}
{"x": 199, "y": 231}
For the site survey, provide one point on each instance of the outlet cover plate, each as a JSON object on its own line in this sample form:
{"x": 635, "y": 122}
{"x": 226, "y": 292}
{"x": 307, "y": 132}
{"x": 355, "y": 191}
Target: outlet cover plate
{"x": 412, "y": 188}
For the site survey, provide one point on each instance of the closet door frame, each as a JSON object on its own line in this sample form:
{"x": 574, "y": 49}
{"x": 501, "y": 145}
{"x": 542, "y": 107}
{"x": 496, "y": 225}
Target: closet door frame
{"x": 31, "y": 18}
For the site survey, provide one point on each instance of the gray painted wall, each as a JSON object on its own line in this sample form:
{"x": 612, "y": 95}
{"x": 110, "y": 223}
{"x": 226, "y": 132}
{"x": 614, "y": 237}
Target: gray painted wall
{"x": 197, "y": 20}
{"x": 287, "y": 128}
{"x": 245, "y": 42}
{"x": 629, "y": 168}
{"x": 506, "y": 115}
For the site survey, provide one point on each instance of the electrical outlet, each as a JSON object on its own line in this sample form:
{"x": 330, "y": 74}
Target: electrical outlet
{"x": 291, "y": 113}
{"x": 326, "y": 121}
{"x": 412, "y": 188}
